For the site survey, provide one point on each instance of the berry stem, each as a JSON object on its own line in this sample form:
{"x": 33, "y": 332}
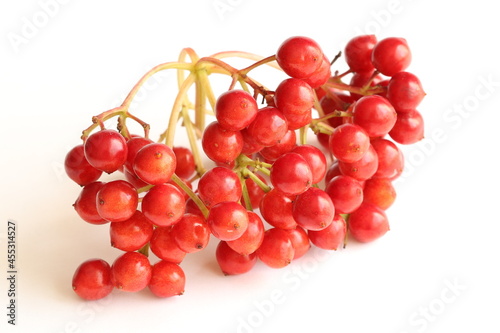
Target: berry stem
{"x": 192, "y": 142}
{"x": 191, "y": 194}
{"x": 249, "y": 174}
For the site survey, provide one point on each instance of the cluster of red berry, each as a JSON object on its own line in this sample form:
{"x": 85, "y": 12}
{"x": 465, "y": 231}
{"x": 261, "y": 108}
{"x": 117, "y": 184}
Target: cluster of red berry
{"x": 305, "y": 193}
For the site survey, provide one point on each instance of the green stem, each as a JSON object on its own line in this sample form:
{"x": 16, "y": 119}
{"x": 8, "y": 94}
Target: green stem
{"x": 192, "y": 142}
{"x": 249, "y": 174}
{"x": 191, "y": 194}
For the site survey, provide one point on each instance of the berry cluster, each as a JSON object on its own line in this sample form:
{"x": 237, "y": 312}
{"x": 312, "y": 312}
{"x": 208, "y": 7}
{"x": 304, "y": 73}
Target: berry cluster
{"x": 269, "y": 194}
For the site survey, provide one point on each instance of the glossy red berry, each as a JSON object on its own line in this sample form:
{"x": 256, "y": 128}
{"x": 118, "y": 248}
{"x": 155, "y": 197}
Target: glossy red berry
{"x": 155, "y": 163}
{"x": 164, "y": 205}
{"x": 86, "y": 204}
{"x": 167, "y": 279}
{"x": 380, "y": 192}
{"x": 235, "y": 109}
{"x": 346, "y": 193}
{"x": 268, "y": 127}
{"x": 228, "y": 220}
{"x": 375, "y": 115}
{"x": 131, "y": 272}
{"x": 316, "y": 160}
{"x": 232, "y": 262}
{"x": 294, "y": 96}
{"x": 117, "y": 201}
{"x": 185, "y": 165}
{"x": 276, "y": 250}
{"x": 299, "y": 56}
{"x": 391, "y": 55}
{"x": 409, "y": 128}
{"x": 221, "y": 145}
{"x": 404, "y": 91}
{"x": 191, "y": 233}
{"x": 92, "y": 280}
{"x": 368, "y": 223}
{"x": 300, "y": 241}
{"x": 132, "y": 234}
{"x": 291, "y": 174}
{"x": 358, "y": 53}
{"x": 313, "y": 209}
{"x": 78, "y": 168}
{"x": 332, "y": 237}
{"x": 106, "y": 150}
{"x": 276, "y": 208}
{"x": 219, "y": 184}
{"x": 251, "y": 239}
{"x": 349, "y": 143}
{"x": 163, "y": 245}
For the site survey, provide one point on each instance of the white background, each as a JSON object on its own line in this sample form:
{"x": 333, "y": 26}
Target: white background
{"x": 82, "y": 57}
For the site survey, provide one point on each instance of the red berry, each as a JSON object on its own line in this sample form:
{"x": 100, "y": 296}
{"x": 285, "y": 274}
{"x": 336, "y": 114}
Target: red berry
{"x": 321, "y": 75}
{"x": 251, "y": 239}
{"x": 185, "y": 165}
{"x": 131, "y": 272}
{"x": 294, "y": 96}
{"x": 221, "y": 145}
{"x": 164, "y": 205}
{"x": 162, "y": 244}
{"x": 409, "y": 128}
{"x": 155, "y": 163}
{"x": 299, "y": 56}
{"x": 276, "y": 208}
{"x": 284, "y": 145}
{"x": 228, "y": 220}
{"x": 86, "y": 205}
{"x": 133, "y": 146}
{"x": 232, "y": 262}
{"x": 379, "y": 192}
{"x": 276, "y": 250}
{"x": 92, "y": 279}
{"x": 255, "y": 192}
{"x": 390, "y": 159}
{"x": 117, "y": 201}
{"x": 332, "y": 236}
{"x": 132, "y": 234}
{"x": 346, "y": 193}
{"x": 219, "y": 184}
{"x": 106, "y": 150}
{"x": 291, "y": 174}
{"x": 391, "y": 55}
{"x": 349, "y": 143}
{"x": 300, "y": 241}
{"x": 268, "y": 127}
{"x": 315, "y": 159}
{"x": 78, "y": 168}
{"x": 405, "y": 91}
{"x": 235, "y": 109}
{"x": 313, "y": 209}
{"x": 167, "y": 279}
{"x": 191, "y": 233}
{"x": 375, "y": 115}
{"x": 368, "y": 223}
{"x": 363, "y": 169}
{"x": 358, "y": 53}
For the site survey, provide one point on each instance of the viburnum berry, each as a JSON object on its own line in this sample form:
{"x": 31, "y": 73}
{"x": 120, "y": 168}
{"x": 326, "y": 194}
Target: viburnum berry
{"x": 131, "y": 272}
{"x": 219, "y": 184}
{"x": 221, "y": 145}
{"x": 332, "y": 236}
{"x": 155, "y": 163}
{"x": 78, "y": 168}
{"x": 345, "y": 192}
{"x": 390, "y": 159}
{"x": 117, "y": 201}
{"x": 363, "y": 169}
{"x": 228, "y": 220}
{"x": 367, "y": 223}
{"x": 380, "y": 192}
{"x": 300, "y": 241}
{"x": 313, "y": 209}
{"x": 316, "y": 160}
{"x": 134, "y": 144}
{"x": 349, "y": 143}
{"x": 106, "y": 150}
{"x": 268, "y": 127}
{"x": 164, "y": 205}
{"x": 86, "y": 205}
{"x": 276, "y": 208}
{"x": 276, "y": 250}
{"x": 299, "y": 56}
{"x": 404, "y": 91}
{"x": 284, "y": 145}
{"x": 235, "y": 109}
{"x": 163, "y": 245}
{"x": 251, "y": 239}
{"x": 358, "y": 53}
{"x": 167, "y": 279}
{"x": 291, "y": 174}
{"x": 185, "y": 166}
{"x": 132, "y": 234}
{"x": 375, "y": 115}
{"x": 92, "y": 280}
{"x": 409, "y": 128}
{"x": 294, "y": 96}
{"x": 191, "y": 233}
{"x": 391, "y": 55}
{"x": 232, "y": 262}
